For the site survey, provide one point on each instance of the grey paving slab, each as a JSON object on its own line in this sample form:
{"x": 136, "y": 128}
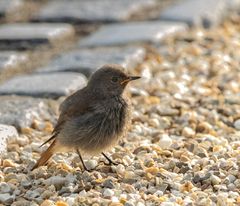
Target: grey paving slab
{"x": 9, "y": 6}
{"x": 206, "y": 13}
{"x": 30, "y": 35}
{"x": 132, "y": 32}
{"x": 22, "y": 111}
{"x": 233, "y": 4}
{"x": 90, "y": 11}
{"x": 87, "y": 61}
{"x": 12, "y": 59}
{"x": 6, "y": 131}
{"x": 44, "y": 85}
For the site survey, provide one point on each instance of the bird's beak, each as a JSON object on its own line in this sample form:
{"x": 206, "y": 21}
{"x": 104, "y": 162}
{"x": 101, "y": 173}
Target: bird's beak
{"x": 130, "y": 78}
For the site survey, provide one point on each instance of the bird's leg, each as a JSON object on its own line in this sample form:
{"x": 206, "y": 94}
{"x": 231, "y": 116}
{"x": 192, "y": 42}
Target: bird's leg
{"x": 109, "y": 159}
{"x": 79, "y": 154}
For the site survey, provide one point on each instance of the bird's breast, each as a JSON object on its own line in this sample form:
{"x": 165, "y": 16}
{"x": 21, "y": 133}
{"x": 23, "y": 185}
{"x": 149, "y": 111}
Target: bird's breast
{"x": 100, "y": 128}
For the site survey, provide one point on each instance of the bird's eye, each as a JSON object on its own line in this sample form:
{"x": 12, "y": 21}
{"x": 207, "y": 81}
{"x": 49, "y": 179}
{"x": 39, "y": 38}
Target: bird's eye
{"x": 114, "y": 79}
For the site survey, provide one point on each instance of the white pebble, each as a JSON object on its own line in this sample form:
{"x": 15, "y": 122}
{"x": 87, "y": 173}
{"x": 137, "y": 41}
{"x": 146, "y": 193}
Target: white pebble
{"x": 108, "y": 193}
{"x": 215, "y": 180}
{"x": 165, "y": 142}
{"x": 91, "y": 164}
{"x": 82, "y": 193}
{"x": 140, "y": 204}
{"x": 114, "y": 199}
{"x": 120, "y": 169}
{"x": 127, "y": 160}
{"x": 188, "y": 132}
{"x": 70, "y": 201}
{"x": 237, "y": 124}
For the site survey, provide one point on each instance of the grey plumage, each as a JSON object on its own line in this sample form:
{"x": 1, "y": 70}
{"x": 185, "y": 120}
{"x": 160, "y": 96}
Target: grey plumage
{"x": 94, "y": 118}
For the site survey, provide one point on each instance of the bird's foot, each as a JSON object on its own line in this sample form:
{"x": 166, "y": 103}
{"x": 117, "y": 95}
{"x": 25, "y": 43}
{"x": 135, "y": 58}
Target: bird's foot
{"x": 110, "y": 161}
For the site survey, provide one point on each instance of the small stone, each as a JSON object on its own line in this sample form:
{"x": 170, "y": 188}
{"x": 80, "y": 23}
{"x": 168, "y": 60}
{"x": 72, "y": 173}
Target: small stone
{"x": 152, "y": 170}
{"x": 57, "y": 181}
{"x": 165, "y": 142}
{"x": 165, "y": 111}
{"x": 128, "y": 203}
{"x": 61, "y": 203}
{"x": 70, "y": 201}
{"x": 4, "y": 188}
{"x": 6, "y": 199}
{"x": 129, "y": 177}
{"x": 204, "y": 127}
{"x": 188, "y": 132}
{"x": 8, "y": 163}
{"x": 108, "y": 193}
{"x": 237, "y": 124}
{"x": 47, "y": 203}
{"x": 47, "y": 194}
{"x": 140, "y": 204}
{"x": 32, "y": 194}
{"x": 91, "y": 164}
{"x": 215, "y": 180}
{"x": 230, "y": 179}
{"x": 108, "y": 183}
{"x": 120, "y": 169}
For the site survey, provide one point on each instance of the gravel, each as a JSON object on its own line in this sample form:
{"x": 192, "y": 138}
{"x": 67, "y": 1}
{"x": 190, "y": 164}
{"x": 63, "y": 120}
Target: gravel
{"x": 191, "y": 86}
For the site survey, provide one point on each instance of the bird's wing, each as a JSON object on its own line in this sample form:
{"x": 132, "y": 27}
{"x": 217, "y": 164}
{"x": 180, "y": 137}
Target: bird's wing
{"x": 74, "y": 105}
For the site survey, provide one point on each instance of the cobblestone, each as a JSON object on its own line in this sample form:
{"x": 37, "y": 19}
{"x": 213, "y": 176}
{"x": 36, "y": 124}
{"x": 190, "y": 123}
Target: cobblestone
{"x": 193, "y": 12}
{"x": 87, "y": 61}
{"x": 44, "y": 85}
{"x": 30, "y": 35}
{"x": 84, "y": 11}
{"x": 134, "y": 32}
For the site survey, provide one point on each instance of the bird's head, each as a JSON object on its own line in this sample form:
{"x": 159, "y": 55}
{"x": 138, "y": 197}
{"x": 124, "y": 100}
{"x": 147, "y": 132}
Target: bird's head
{"x": 110, "y": 80}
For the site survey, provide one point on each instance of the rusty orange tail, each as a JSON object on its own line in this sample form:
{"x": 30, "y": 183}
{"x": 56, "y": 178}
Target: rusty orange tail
{"x": 45, "y": 156}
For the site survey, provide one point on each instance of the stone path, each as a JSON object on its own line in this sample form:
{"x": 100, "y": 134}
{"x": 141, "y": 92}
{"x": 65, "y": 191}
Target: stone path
{"x": 183, "y": 146}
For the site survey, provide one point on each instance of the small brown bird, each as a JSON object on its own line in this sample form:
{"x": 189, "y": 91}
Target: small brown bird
{"x": 94, "y": 118}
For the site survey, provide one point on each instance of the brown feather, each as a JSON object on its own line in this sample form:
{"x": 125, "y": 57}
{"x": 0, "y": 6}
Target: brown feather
{"x": 51, "y": 138}
{"x": 45, "y": 156}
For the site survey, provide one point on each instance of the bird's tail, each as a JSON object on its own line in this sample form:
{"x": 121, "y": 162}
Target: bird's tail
{"x": 45, "y": 156}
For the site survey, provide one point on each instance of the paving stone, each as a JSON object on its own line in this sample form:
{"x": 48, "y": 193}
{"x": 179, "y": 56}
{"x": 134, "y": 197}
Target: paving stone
{"x": 90, "y": 11}
{"x": 6, "y": 131}
{"x": 12, "y": 59}
{"x": 205, "y": 13}
{"x": 233, "y": 4}
{"x": 44, "y": 85}
{"x": 30, "y": 35}
{"x": 87, "y": 61}
{"x": 132, "y": 32}
{"x": 22, "y": 111}
{"x": 10, "y": 6}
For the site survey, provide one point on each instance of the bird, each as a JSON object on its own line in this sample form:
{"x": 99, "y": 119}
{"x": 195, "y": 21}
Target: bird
{"x": 94, "y": 118}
